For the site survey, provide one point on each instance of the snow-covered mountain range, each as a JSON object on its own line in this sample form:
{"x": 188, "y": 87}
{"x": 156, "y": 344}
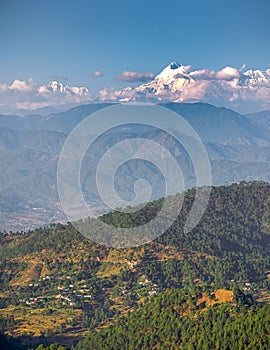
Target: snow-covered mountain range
{"x": 246, "y": 91}
{"x": 57, "y": 87}
{"x": 230, "y": 87}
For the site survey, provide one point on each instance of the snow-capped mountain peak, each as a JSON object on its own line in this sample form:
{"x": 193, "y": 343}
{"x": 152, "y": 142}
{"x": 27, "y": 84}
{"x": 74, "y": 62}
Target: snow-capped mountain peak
{"x": 171, "y": 71}
{"x": 256, "y": 77}
{"x": 231, "y": 87}
{"x": 57, "y": 87}
{"x": 171, "y": 79}
{"x": 174, "y": 65}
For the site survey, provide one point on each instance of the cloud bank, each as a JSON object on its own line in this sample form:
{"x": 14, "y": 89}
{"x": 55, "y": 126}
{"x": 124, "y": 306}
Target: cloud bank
{"x": 245, "y": 91}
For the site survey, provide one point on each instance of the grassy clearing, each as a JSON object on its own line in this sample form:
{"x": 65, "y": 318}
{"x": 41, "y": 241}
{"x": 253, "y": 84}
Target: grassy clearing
{"x": 37, "y": 322}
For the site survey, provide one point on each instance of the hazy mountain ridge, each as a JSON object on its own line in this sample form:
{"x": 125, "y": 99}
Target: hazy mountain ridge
{"x": 238, "y": 148}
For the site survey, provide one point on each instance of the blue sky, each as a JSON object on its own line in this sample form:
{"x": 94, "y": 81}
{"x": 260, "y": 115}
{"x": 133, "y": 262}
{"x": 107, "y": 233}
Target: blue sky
{"x": 43, "y": 39}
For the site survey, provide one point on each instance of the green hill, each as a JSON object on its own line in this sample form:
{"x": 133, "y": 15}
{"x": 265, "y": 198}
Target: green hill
{"x": 57, "y": 286}
{"x": 171, "y": 321}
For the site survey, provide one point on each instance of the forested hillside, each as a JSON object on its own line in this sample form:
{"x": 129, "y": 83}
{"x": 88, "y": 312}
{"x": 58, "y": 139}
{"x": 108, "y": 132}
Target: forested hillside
{"x": 57, "y": 286}
{"x": 172, "y": 321}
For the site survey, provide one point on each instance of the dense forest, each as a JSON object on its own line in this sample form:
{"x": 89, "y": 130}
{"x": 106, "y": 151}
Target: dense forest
{"x": 159, "y": 325}
{"x": 59, "y": 287}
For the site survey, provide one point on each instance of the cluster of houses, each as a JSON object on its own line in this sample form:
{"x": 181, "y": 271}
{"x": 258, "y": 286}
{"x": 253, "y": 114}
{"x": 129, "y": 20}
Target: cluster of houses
{"x": 72, "y": 295}
{"x": 153, "y": 288}
{"x": 67, "y": 295}
{"x": 33, "y": 301}
{"x": 248, "y": 286}
{"x": 145, "y": 284}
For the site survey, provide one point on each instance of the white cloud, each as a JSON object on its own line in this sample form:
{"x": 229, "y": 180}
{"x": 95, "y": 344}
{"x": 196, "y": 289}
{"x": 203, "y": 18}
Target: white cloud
{"x": 3, "y": 88}
{"x": 128, "y": 76}
{"x": 203, "y": 74}
{"x": 97, "y": 74}
{"x": 59, "y": 77}
{"x": 227, "y": 73}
